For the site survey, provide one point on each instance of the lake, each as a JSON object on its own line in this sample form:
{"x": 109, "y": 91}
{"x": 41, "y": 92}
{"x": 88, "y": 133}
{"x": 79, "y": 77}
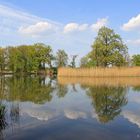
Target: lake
{"x": 43, "y": 108}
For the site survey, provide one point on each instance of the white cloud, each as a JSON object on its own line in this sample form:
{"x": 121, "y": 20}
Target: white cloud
{"x": 132, "y": 24}
{"x": 83, "y": 27}
{"x": 36, "y": 111}
{"x": 35, "y": 29}
{"x": 38, "y": 114}
{"x": 132, "y": 117}
{"x": 74, "y": 114}
{"x": 12, "y": 20}
{"x": 18, "y": 27}
{"x": 71, "y": 27}
{"x": 100, "y": 23}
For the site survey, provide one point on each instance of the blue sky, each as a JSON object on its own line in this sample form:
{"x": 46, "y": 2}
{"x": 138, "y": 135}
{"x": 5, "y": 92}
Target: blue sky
{"x": 71, "y": 25}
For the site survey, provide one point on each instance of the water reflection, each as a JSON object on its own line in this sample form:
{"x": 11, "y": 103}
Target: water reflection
{"x": 15, "y": 112}
{"x": 107, "y": 101}
{"x": 136, "y": 88}
{"x": 34, "y": 102}
{"x": 23, "y": 89}
{"x": 61, "y": 90}
{"x": 3, "y": 122}
{"x": 108, "y": 81}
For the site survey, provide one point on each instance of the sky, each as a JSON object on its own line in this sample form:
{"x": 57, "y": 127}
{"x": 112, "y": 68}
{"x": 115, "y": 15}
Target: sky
{"x": 71, "y": 25}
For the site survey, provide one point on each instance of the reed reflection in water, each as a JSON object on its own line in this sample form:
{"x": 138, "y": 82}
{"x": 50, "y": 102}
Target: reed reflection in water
{"x": 65, "y": 107}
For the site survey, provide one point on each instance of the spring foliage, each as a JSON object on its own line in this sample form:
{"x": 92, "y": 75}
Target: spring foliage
{"x": 108, "y": 49}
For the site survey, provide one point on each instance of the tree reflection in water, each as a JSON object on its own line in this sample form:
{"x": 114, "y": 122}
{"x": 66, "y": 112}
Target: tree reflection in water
{"x": 36, "y": 89}
{"x": 136, "y": 88}
{"x": 61, "y": 90}
{"x": 107, "y": 101}
{"x": 16, "y": 89}
{"x": 3, "y": 122}
{"x": 15, "y": 112}
{"x": 27, "y": 88}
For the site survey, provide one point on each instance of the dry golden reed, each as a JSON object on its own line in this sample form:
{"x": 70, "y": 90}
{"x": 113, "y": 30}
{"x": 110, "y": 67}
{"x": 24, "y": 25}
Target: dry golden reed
{"x": 94, "y": 81}
{"x": 99, "y": 72}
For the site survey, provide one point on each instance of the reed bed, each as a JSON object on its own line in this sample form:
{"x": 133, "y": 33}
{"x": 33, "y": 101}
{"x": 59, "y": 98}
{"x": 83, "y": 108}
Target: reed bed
{"x": 90, "y": 81}
{"x": 99, "y": 72}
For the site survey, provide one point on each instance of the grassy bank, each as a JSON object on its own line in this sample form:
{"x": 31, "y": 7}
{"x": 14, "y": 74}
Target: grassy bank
{"x": 99, "y": 72}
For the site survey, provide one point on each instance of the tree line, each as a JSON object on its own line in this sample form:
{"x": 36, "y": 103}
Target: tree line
{"x": 25, "y": 58}
{"x": 31, "y": 58}
{"x": 108, "y": 49}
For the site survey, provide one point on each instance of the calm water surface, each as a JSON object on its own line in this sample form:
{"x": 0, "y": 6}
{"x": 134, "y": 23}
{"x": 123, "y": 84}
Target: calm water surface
{"x": 40, "y": 108}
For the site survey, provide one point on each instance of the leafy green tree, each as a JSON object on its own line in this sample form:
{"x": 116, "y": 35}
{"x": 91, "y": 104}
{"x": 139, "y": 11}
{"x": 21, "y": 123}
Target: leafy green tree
{"x": 43, "y": 55}
{"x": 21, "y": 58}
{"x": 136, "y": 60}
{"x": 14, "y": 63}
{"x": 109, "y": 49}
{"x": 2, "y": 59}
{"x": 29, "y": 58}
{"x": 61, "y": 58}
{"x": 86, "y": 61}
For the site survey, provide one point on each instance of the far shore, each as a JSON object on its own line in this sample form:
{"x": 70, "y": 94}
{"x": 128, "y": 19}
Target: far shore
{"x": 41, "y": 72}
